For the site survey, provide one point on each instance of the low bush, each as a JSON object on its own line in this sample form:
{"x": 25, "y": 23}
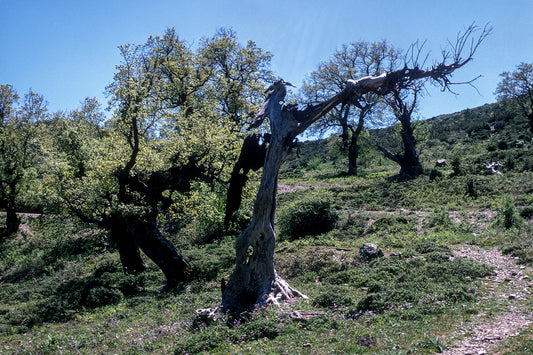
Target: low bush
{"x": 333, "y": 298}
{"x": 523, "y": 251}
{"x": 435, "y": 174}
{"x": 526, "y": 212}
{"x": 508, "y": 216}
{"x": 312, "y": 216}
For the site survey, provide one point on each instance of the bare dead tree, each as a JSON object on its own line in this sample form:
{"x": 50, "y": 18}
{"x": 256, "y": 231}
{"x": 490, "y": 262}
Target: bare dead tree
{"x": 254, "y": 281}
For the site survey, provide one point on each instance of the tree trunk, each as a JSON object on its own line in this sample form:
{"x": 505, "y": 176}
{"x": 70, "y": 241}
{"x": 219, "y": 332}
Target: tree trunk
{"x": 254, "y": 280}
{"x": 134, "y": 232}
{"x": 353, "y": 148}
{"x": 410, "y": 165}
{"x": 130, "y": 256}
{"x": 12, "y": 221}
{"x": 163, "y": 253}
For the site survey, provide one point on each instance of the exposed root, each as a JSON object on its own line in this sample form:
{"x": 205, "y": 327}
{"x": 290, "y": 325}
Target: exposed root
{"x": 281, "y": 291}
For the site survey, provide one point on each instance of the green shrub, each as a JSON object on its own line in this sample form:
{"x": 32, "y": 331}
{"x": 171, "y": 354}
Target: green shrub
{"x": 435, "y": 174}
{"x": 426, "y": 247}
{"x": 508, "y": 216}
{"x": 456, "y": 164}
{"x": 333, "y": 297}
{"x": 204, "y": 341}
{"x": 101, "y": 296}
{"x": 258, "y": 329}
{"x": 526, "y": 212}
{"x": 312, "y": 216}
{"x": 523, "y": 251}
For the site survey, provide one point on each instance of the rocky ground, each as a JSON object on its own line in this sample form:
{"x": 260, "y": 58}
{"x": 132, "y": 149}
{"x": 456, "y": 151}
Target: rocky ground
{"x": 510, "y": 291}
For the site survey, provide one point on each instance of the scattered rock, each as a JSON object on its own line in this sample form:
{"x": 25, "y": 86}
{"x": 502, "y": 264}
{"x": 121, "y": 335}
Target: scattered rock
{"x": 441, "y": 163}
{"x": 369, "y": 251}
{"x": 394, "y": 255}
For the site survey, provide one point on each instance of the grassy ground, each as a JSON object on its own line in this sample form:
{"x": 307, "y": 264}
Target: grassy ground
{"x": 62, "y": 290}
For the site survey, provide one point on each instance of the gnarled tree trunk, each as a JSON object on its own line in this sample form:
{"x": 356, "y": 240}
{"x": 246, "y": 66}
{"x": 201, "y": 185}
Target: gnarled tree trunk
{"x": 254, "y": 280}
{"x": 353, "y": 148}
{"x": 138, "y": 232}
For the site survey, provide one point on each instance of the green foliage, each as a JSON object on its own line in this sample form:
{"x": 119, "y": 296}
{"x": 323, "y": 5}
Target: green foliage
{"x": 456, "y": 164}
{"x": 526, "y": 212}
{"x": 431, "y": 344}
{"x": 435, "y": 174}
{"x": 333, "y": 297}
{"x": 19, "y": 151}
{"x": 352, "y": 61}
{"x": 312, "y": 216}
{"x": 518, "y": 85}
{"x": 522, "y": 250}
{"x": 508, "y": 215}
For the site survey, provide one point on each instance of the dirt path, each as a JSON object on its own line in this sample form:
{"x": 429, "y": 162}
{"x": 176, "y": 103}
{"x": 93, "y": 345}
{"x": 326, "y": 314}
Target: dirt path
{"x": 510, "y": 288}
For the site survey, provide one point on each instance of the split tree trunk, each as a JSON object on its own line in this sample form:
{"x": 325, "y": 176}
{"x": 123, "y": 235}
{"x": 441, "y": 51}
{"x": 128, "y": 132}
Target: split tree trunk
{"x": 254, "y": 280}
{"x": 132, "y": 234}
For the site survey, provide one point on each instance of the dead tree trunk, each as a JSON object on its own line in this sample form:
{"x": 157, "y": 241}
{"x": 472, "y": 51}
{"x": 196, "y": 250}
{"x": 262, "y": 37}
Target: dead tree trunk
{"x": 254, "y": 280}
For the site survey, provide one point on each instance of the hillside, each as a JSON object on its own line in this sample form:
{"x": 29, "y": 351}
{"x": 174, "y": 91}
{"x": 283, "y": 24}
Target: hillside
{"x": 492, "y": 132}
{"x": 455, "y": 275}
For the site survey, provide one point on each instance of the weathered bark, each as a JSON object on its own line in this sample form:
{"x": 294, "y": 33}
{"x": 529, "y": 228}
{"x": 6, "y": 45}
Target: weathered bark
{"x": 254, "y": 280}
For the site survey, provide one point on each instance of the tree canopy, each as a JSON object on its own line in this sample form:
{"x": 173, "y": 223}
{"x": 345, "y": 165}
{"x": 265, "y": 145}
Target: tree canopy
{"x": 518, "y": 85}
{"x": 177, "y": 121}
{"x": 19, "y": 149}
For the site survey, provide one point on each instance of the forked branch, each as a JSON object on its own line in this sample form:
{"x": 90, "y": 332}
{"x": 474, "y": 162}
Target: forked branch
{"x": 460, "y": 53}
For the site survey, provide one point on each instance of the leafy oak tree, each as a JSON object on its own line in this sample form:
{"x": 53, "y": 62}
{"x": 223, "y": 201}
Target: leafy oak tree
{"x": 19, "y": 150}
{"x": 518, "y": 85}
{"x": 350, "y": 62}
{"x": 175, "y": 125}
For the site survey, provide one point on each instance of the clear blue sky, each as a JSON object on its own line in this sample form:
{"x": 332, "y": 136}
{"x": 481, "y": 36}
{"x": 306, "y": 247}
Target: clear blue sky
{"x": 67, "y": 50}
